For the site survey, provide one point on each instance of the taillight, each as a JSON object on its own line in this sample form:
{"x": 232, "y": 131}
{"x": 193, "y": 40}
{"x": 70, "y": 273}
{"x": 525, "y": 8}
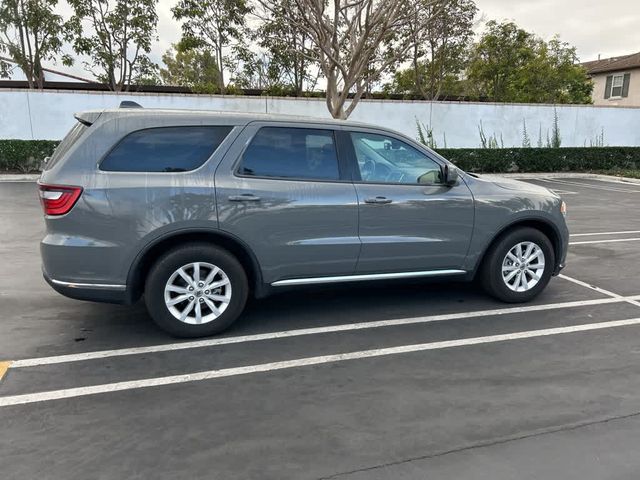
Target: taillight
{"x": 58, "y": 199}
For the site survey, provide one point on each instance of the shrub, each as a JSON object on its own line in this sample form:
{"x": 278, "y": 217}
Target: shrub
{"x": 567, "y": 159}
{"x": 24, "y": 155}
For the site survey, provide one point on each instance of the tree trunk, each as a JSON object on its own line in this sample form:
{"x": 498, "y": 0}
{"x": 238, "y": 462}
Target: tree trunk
{"x": 416, "y": 71}
{"x": 354, "y": 101}
{"x": 335, "y": 99}
{"x": 298, "y": 74}
{"x": 27, "y": 56}
{"x": 39, "y": 74}
{"x": 219, "y": 59}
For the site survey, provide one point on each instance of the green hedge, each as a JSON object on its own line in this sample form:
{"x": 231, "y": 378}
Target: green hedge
{"x": 569, "y": 159}
{"x": 24, "y": 155}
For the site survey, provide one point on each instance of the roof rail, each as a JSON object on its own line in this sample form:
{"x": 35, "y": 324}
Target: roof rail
{"x": 129, "y": 104}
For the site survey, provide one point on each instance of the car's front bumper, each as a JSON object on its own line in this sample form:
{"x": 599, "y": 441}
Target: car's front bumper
{"x": 558, "y": 269}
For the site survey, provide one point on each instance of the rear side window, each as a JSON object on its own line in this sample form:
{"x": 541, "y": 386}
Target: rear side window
{"x": 301, "y": 153}
{"x": 65, "y": 145}
{"x": 165, "y": 149}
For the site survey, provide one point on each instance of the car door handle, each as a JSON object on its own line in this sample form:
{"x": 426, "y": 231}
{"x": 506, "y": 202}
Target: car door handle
{"x": 378, "y": 200}
{"x": 245, "y": 197}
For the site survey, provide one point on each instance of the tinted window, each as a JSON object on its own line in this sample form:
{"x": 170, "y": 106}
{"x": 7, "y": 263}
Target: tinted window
{"x": 291, "y": 153}
{"x": 166, "y": 149}
{"x": 65, "y": 145}
{"x": 383, "y": 159}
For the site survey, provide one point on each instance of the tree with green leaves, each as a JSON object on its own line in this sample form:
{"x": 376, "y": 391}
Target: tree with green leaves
{"x": 509, "y": 64}
{"x": 356, "y": 42}
{"x": 30, "y": 34}
{"x": 405, "y": 82}
{"x": 501, "y": 53}
{"x": 195, "y": 68}
{"x": 117, "y": 36}
{"x": 260, "y": 71}
{"x": 439, "y": 51}
{"x": 289, "y": 48}
{"x": 219, "y": 25}
{"x": 552, "y": 76}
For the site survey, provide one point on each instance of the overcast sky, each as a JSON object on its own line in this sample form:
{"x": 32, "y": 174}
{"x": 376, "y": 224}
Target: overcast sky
{"x": 608, "y": 28}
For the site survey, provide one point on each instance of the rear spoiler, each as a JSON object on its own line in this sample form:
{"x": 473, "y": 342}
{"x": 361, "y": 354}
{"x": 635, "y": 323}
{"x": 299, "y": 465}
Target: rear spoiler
{"x": 87, "y": 118}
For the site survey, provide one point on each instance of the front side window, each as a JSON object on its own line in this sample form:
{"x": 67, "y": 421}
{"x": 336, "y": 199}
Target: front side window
{"x": 282, "y": 152}
{"x": 616, "y": 85}
{"x": 165, "y": 149}
{"x": 383, "y": 159}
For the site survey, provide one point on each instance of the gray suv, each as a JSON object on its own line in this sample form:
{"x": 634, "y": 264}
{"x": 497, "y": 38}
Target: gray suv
{"x": 198, "y": 210}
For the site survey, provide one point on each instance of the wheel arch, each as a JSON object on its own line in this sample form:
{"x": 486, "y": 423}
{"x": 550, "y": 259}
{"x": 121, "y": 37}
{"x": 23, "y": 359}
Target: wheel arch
{"x": 541, "y": 224}
{"x": 144, "y": 260}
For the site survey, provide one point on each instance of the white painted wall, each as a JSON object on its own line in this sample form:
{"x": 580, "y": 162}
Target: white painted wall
{"x": 48, "y": 115}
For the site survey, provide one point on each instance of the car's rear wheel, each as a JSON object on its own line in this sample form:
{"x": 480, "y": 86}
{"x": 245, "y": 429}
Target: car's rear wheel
{"x": 518, "y": 266}
{"x": 196, "y": 290}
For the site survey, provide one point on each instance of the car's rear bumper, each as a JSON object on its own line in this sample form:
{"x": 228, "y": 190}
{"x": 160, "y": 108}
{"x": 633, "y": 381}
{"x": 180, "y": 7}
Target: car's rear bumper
{"x": 93, "y": 292}
{"x": 83, "y": 268}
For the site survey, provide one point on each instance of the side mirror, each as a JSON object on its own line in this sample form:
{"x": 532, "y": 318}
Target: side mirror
{"x": 451, "y": 175}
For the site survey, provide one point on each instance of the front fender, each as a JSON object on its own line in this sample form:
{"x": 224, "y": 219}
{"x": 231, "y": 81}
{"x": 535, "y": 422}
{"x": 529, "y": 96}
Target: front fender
{"x": 498, "y": 210}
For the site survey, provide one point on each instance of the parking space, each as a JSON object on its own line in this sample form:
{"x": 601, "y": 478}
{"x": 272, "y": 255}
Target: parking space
{"x": 368, "y": 381}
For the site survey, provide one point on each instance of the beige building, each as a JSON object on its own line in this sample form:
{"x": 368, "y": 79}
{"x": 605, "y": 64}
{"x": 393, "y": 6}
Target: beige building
{"x": 616, "y": 80}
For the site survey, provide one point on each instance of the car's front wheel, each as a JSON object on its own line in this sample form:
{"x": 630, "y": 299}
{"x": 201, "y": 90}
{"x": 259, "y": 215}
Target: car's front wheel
{"x": 196, "y": 290}
{"x": 518, "y": 266}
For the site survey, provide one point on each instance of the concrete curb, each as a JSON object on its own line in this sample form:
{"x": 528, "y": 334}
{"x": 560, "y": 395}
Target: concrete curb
{"x": 595, "y": 176}
{"x": 19, "y": 177}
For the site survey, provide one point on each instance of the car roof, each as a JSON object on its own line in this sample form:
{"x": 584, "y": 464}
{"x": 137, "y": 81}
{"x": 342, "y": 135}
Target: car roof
{"x": 236, "y": 118}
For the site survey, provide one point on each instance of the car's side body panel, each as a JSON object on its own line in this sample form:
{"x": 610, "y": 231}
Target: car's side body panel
{"x": 296, "y": 227}
{"x": 119, "y": 213}
{"x": 422, "y": 228}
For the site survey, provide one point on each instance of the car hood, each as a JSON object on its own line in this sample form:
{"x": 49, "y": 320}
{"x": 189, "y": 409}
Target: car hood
{"x": 515, "y": 185}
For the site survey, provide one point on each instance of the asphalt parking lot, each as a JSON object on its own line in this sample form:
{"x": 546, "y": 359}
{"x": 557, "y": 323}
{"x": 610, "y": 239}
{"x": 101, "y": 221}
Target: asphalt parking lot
{"x": 391, "y": 381}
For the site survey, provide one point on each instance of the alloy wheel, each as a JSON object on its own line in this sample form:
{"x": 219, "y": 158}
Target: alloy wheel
{"x": 523, "y": 266}
{"x": 197, "y": 293}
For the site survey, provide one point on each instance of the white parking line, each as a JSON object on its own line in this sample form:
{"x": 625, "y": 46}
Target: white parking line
{"x": 587, "y": 185}
{"x": 611, "y": 294}
{"x": 626, "y": 232}
{"x": 617, "y": 240}
{"x": 79, "y": 357}
{"x": 563, "y": 192}
{"x": 301, "y": 362}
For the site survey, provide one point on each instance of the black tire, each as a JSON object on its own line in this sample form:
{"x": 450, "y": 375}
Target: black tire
{"x": 491, "y": 271}
{"x": 166, "y": 265}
